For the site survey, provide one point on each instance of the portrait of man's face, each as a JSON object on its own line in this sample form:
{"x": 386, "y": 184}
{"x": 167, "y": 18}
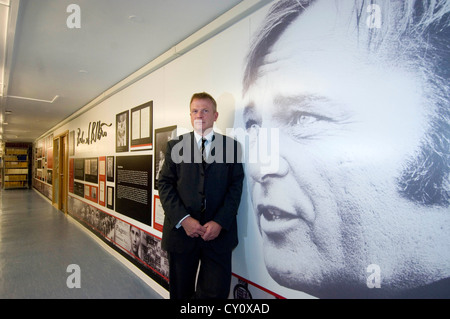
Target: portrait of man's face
{"x": 121, "y": 130}
{"x": 135, "y": 237}
{"x": 350, "y": 120}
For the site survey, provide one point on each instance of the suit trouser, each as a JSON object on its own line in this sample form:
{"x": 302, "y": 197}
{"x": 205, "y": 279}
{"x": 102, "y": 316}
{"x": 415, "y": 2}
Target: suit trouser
{"x": 214, "y": 276}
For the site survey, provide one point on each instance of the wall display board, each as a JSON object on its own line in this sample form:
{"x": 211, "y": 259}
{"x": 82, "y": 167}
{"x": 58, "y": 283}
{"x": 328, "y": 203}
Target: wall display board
{"x": 158, "y": 214}
{"x": 142, "y": 127}
{"x": 42, "y": 166}
{"x": 102, "y": 180}
{"x": 91, "y": 170}
{"x": 79, "y": 168}
{"x": 122, "y": 132}
{"x": 139, "y": 246}
{"x": 133, "y": 187}
{"x": 78, "y": 189}
{"x": 84, "y": 178}
{"x": 71, "y": 175}
{"x": 91, "y": 193}
{"x": 162, "y": 136}
{"x": 110, "y": 197}
{"x": 343, "y": 115}
{"x": 110, "y": 168}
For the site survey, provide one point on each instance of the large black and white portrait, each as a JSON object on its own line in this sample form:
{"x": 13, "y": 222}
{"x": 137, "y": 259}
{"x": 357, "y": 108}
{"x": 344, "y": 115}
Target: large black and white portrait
{"x": 357, "y": 204}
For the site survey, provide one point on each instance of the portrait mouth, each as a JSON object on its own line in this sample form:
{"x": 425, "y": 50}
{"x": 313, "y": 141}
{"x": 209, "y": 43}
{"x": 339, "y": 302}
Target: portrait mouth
{"x": 276, "y": 221}
{"x": 271, "y": 213}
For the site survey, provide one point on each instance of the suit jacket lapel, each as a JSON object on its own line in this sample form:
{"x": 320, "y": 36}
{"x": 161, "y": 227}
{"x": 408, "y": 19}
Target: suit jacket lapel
{"x": 216, "y": 150}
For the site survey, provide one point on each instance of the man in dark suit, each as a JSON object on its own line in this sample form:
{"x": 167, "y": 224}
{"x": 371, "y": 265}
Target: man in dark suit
{"x": 200, "y": 188}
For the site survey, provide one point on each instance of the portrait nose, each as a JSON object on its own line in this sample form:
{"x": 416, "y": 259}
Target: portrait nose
{"x": 264, "y": 167}
{"x": 262, "y": 172}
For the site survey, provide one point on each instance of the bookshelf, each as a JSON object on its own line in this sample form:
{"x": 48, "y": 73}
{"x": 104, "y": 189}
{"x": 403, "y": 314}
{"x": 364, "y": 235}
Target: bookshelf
{"x": 16, "y": 167}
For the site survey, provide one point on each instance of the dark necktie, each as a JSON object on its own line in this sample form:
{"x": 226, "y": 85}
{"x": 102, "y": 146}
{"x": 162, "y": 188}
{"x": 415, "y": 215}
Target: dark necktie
{"x": 203, "y": 206}
{"x": 203, "y": 151}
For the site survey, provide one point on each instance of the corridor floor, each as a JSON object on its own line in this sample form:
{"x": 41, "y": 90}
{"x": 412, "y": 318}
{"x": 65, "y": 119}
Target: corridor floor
{"x": 38, "y": 243}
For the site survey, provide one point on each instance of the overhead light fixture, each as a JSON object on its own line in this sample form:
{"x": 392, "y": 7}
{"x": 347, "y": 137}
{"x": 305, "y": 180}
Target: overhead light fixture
{"x": 33, "y": 99}
{"x": 4, "y": 18}
{"x": 9, "y": 10}
{"x": 135, "y": 19}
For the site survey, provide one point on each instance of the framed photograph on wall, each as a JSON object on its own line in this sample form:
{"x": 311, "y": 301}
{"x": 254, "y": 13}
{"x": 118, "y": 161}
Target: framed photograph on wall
{"x": 110, "y": 168}
{"x": 102, "y": 180}
{"x": 162, "y": 136}
{"x": 79, "y": 169}
{"x": 72, "y": 143}
{"x": 122, "y": 121}
{"x": 158, "y": 214}
{"x": 91, "y": 170}
{"x": 142, "y": 127}
{"x": 110, "y": 197}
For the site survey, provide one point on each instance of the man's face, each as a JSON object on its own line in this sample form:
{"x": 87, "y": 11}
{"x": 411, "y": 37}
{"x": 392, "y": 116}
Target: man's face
{"x": 347, "y": 125}
{"x": 135, "y": 235}
{"x": 121, "y": 126}
{"x": 202, "y": 115}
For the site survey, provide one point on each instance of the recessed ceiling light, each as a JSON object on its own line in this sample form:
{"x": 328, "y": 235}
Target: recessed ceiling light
{"x": 135, "y": 19}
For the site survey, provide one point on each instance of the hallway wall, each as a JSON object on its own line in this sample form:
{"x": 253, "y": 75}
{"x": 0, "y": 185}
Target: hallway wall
{"x": 114, "y": 206}
{"x": 345, "y": 130}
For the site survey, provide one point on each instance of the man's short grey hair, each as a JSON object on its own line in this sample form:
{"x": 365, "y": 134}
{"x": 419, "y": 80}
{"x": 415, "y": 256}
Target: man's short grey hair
{"x": 417, "y": 31}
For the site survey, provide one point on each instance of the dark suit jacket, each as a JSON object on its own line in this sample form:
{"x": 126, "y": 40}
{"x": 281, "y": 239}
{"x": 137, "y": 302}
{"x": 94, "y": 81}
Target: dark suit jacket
{"x": 182, "y": 182}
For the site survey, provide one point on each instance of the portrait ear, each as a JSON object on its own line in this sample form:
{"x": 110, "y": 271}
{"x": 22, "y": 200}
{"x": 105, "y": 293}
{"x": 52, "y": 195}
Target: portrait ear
{"x": 216, "y": 115}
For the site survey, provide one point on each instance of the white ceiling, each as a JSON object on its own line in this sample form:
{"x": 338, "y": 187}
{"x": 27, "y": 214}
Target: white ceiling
{"x": 56, "y": 70}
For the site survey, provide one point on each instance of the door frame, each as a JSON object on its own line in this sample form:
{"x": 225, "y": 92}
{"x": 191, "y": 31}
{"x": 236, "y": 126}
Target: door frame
{"x": 63, "y": 171}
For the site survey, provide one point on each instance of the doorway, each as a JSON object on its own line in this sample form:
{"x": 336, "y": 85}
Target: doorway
{"x": 60, "y": 171}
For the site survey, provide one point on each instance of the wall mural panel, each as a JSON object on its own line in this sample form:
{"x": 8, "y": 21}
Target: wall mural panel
{"x": 353, "y": 199}
{"x": 342, "y": 109}
{"x": 134, "y": 187}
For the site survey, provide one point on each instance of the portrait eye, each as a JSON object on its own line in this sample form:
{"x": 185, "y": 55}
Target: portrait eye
{"x": 305, "y": 118}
